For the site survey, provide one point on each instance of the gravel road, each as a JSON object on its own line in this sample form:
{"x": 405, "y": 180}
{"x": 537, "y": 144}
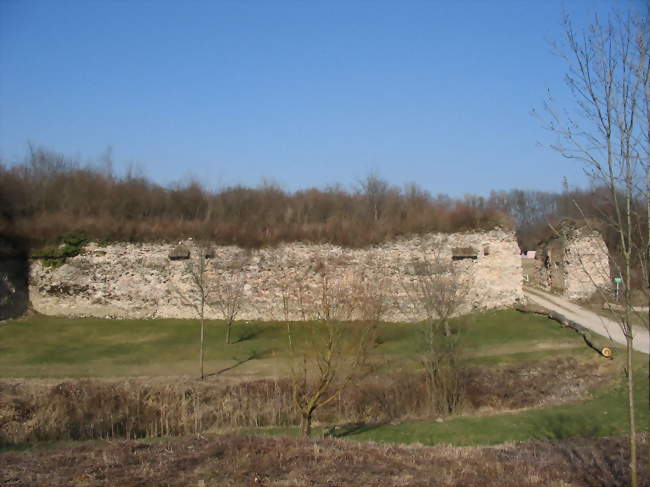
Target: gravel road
{"x": 588, "y": 319}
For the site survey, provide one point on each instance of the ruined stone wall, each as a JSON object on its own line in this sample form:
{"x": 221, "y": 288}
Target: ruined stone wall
{"x": 14, "y": 271}
{"x": 140, "y": 281}
{"x": 575, "y": 263}
{"x": 587, "y": 265}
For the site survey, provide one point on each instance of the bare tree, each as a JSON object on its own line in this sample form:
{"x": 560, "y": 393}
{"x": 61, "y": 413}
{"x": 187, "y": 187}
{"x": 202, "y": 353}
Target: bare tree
{"x": 335, "y": 354}
{"x": 607, "y": 130}
{"x": 439, "y": 288}
{"x": 197, "y": 296}
{"x": 285, "y": 286}
{"x": 293, "y": 305}
{"x": 291, "y": 287}
{"x": 437, "y": 291}
{"x": 376, "y": 192}
{"x": 228, "y": 297}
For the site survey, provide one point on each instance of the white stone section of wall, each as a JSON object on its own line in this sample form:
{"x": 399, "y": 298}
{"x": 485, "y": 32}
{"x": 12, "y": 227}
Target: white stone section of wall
{"x": 586, "y": 265}
{"x": 139, "y": 281}
{"x": 579, "y": 265}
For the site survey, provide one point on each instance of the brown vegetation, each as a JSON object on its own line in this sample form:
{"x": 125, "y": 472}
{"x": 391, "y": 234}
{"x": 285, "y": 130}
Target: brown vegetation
{"x": 90, "y": 409}
{"x": 240, "y": 460}
{"x": 50, "y": 195}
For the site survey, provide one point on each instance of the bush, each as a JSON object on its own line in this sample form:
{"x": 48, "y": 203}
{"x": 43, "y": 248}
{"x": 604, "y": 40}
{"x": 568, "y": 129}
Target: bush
{"x": 74, "y": 240}
{"x": 55, "y": 256}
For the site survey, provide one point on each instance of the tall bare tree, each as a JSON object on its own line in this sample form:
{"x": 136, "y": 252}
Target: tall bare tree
{"x": 228, "y": 297}
{"x": 335, "y": 354}
{"x": 437, "y": 291}
{"x": 197, "y": 296}
{"x": 376, "y": 192}
{"x": 607, "y": 130}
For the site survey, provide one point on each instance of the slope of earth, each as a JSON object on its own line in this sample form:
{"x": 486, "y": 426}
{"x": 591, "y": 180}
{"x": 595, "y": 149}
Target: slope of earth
{"x": 49, "y": 347}
{"x": 243, "y": 461}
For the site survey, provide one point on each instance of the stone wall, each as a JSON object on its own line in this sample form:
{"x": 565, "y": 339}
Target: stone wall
{"x": 575, "y": 263}
{"x": 14, "y": 272}
{"x": 140, "y": 281}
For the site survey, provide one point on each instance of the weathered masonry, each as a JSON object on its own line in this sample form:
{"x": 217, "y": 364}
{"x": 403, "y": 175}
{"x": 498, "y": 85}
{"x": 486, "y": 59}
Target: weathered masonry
{"x": 14, "y": 272}
{"x": 148, "y": 280}
{"x": 575, "y": 262}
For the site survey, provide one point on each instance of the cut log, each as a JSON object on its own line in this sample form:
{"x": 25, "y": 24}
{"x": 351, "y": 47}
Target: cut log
{"x": 567, "y": 323}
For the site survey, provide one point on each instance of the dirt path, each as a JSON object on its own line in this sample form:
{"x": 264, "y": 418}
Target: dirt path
{"x": 588, "y": 319}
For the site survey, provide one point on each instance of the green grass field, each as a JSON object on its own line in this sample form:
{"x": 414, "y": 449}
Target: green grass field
{"x": 49, "y": 347}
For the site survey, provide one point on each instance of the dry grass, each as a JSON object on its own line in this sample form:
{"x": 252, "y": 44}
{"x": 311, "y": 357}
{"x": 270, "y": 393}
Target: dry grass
{"x": 533, "y": 384}
{"x": 91, "y": 409}
{"x": 242, "y": 461}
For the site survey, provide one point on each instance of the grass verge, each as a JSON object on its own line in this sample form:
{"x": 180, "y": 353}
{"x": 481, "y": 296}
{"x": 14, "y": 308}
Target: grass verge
{"x": 51, "y": 347}
{"x": 605, "y": 414}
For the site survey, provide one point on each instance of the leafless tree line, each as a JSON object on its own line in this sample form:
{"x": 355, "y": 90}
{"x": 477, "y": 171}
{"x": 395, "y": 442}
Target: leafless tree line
{"x": 48, "y": 194}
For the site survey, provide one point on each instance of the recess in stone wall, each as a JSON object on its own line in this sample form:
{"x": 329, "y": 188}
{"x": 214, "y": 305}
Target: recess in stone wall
{"x": 179, "y": 252}
{"x": 460, "y": 253}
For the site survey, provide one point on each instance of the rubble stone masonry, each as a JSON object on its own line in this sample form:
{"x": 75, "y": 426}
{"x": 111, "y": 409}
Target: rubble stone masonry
{"x": 125, "y": 280}
{"x": 575, "y": 263}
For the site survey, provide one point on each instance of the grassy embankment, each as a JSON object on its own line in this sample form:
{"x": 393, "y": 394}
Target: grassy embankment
{"x": 605, "y": 414}
{"x": 51, "y": 348}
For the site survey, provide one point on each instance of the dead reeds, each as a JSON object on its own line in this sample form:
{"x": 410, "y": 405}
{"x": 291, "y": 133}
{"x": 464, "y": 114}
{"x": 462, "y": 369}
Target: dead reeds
{"x": 92, "y": 409}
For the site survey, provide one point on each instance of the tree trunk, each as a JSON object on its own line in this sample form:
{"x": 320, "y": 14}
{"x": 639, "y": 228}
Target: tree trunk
{"x": 630, "y": 399}
{"x": 305, "y": 425}
{"x": 201, "y": 354}
{"x": 290, "y": 339}
{"x": 647, "y": 222}
{"x": 228, "y": 328}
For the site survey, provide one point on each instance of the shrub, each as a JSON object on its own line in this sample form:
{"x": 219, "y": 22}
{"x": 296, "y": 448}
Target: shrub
{"x": 51, "y": 199}
{"x": 55, "y": 256}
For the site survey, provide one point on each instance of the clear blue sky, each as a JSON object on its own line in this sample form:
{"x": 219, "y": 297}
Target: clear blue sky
{"x": 301, "y": 93}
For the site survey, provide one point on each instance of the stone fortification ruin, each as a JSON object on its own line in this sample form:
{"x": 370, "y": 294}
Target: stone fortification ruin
{"x": 125, "y": 280}
{"x": 14, "y": 271}
{"x": 574, "y": 262}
